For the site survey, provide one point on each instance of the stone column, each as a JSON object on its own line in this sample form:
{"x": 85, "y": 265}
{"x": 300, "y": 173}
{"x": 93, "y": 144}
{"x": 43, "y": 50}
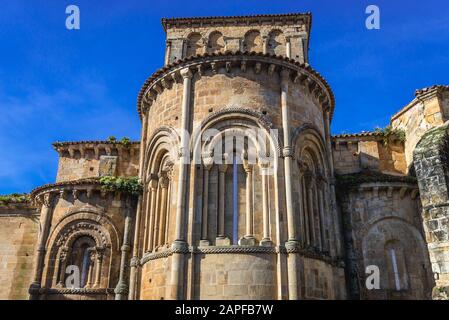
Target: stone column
{"x": 90, "y": 272}
{"x": 337, "y": 248}
{"x": 143, "y": 139}
{"x": 62, "y": 266}
{"x": 121, "y": 290}
{"x": 266, "y": 240}
{"x": 45, "y": 220}
{"x": 222, "y": 240}
{"x": 164, "y": 181}
{"x": 264, "y": 44}
{"x": 179, "y": 246}
{"x": 167, "y": 52}
{"x": 288, "y": 154}
{"x": 288, "y": 50}
{"x": 99, "y": 258}
{"x": 134, "y": 260}
{"x": 292, "y": 244}
{"x": 248, "y": 238}
{"x": 154, "y": 210}
{"x": 306, "y": 212}
{"x": 207, "y": 165}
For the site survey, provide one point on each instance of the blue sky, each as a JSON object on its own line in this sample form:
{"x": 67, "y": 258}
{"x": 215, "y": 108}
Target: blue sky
{"x": 57, "y": 84}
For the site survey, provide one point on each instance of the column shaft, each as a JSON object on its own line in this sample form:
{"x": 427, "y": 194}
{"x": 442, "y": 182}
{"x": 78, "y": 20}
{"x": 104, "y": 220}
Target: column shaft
{"x": 221, "y": 199}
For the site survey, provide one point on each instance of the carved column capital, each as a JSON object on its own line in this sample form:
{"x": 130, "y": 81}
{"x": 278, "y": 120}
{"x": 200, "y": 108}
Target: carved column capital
{"x": 45, "y": 199}
{"x": 164, "y": 180}
{"x": 186, "y": 73}
{"x": 208, "y": 162}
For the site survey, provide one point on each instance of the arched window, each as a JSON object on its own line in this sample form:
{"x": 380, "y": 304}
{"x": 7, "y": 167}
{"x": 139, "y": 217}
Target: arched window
{"x": 253, "y": 42}
{"x": 82, "y": 255}
{"x": 233, "y": 208}
{"x": 396, "y": 266}
{"x": 276, "y": 43}
{"x": 216, "y": 42}
{"x": 158, "y": 202}
{"x": 194, "y": 45}
{"x": 312, "y": 203}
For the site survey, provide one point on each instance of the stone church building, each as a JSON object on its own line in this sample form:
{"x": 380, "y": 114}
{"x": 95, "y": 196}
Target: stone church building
{"x": 237, "y": 189}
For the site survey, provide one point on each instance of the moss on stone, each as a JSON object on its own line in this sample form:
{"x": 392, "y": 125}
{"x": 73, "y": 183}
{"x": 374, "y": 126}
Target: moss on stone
{"x": 14, "y": 198}
{"x": 432, "y": 138}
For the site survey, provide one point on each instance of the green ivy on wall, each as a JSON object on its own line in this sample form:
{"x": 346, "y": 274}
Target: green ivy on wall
{"x": 128, "y": 185}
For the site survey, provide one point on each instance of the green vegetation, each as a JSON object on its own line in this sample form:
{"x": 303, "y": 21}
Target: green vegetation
{"x": 129, "y": 185}
{"x": 125, "y": 141}
{"x": 389, "y": 134}
{"x": 14, "y": 198}
{"x": 351, "y": 181}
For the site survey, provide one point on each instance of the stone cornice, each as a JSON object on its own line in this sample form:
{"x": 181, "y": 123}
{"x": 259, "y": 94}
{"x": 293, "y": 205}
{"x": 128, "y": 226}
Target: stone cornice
{"x": 305, "y": 18}
{"x": 235, "y": 249}
{"x": 301, "y": 73}
{"x": 98, "y": 147}
{"x": 87, "y": 184}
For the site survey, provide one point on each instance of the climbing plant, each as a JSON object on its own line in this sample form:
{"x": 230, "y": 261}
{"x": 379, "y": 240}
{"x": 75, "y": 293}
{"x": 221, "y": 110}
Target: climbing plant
{"x": 129, "y": 185}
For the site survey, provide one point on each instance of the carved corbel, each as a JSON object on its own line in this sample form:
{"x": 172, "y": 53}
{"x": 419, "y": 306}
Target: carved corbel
{"x": 45, "y": 199}
{"x": 176, "y": 77}
{"x": 243, "y": 66}
{"x": 199, "y": 69}
{"x": 257, "y": 67}
{"x": 228, "y": 66}
{"x": 96, "y": 152}
{"x": 389, "y": 192}
{"x": 62, "y": 194}
{"x": 165, "y": 82}
{"x": 402, "y": 192}
{"x": 271, "y": 69}
{"x": 213, "y": 66}
{"x": 71, "y": 152}
{"x": 75, "y": 194}
{"x": 157, "y": 87}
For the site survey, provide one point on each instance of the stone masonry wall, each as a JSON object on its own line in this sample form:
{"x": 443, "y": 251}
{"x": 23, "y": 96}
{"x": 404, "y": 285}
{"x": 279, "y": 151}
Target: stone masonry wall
{"x": 90, "y": 160}
{"x": 19, "y": 226}
{"x": 221, "y": 38}
{"x": 416, "y": 119}
{"x": 379, "y": 217}
{"x": 355, "y": 154}
{"x": 431, "y": 164}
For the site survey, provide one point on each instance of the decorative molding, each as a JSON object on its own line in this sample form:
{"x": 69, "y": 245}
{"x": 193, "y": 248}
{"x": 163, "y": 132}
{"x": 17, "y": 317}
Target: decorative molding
{"x": 241, "y": 60}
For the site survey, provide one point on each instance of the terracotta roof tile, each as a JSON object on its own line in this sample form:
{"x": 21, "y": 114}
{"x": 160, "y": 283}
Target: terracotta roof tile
{"x": 358, "y": 135}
